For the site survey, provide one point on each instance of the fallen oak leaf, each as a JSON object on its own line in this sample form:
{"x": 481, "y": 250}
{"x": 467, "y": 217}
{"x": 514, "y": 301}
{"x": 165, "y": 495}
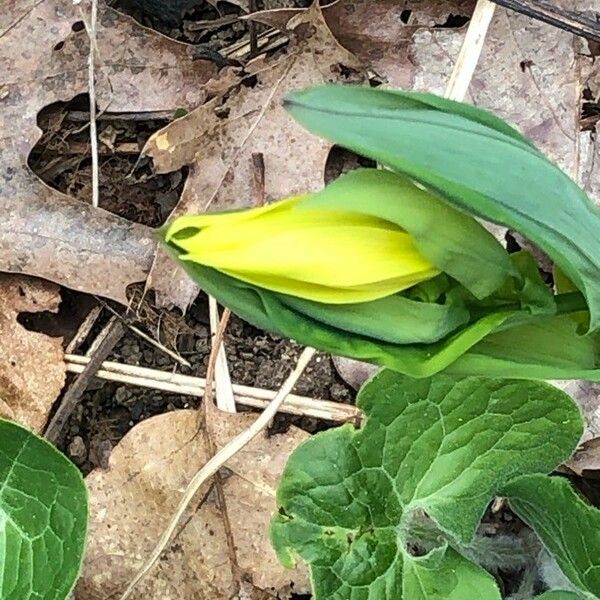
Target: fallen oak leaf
{"x": 43, "y": 232}
{"x": 219, "y": 138}
{"x": 32, "y": 367}
{"x": 132, "y": 501}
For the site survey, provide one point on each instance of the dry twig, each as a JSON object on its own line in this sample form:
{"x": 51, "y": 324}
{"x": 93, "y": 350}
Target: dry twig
{"x": 224, "y": 391}
{"x": 91, "y": 31}
{"x": 112, "y": 333}
{"x": 470, "y": 51}
{"x": 195, "y": 386}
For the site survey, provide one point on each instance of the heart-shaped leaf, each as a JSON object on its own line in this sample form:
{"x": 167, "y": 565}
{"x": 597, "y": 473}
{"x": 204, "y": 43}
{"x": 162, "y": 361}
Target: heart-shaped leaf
{"x": 43, "y": 517}
{"x": 441, "y": 446}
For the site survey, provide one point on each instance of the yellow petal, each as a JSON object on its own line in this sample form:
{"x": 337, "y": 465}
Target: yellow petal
{"x": 324, "y": 255}
{"x": 226, "y": 218}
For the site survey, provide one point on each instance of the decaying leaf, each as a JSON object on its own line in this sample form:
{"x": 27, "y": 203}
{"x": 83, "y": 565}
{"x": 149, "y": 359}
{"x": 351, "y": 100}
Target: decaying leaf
{"x": 354, "y": 372}
{"x": 587, "y": 395}
{"x": 32, "y": 369}
{"x": 132, "y": 502}
{"x": 380, "y": 33}
{"x": 525, "y": 75}
{"x": 587, "y": 458}
{"x": 46, "y": 233}
{"x": 221, "y": 139}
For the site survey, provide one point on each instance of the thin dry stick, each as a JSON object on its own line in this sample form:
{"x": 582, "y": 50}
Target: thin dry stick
{"x": 112, "y": 333}
{"x": 195, "y": 386}
{"x": 224, "y": 390}
{"x": 218, "y": 460}
{"x": 211, "y": 372}
{"x": 91, "y": 31}
{"x": 84, "y": 329}
{"x": 470, "y": 50}
{"x": 158, "y": 345}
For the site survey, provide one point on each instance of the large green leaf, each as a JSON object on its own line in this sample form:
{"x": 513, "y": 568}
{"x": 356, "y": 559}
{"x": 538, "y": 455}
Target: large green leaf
{"x": 43, "y": 517}
{"x": 535, "y": 347}
{"x": 470, "y": 158}
{"x": 568, "y": 526}
{"x": 442, "y": 446}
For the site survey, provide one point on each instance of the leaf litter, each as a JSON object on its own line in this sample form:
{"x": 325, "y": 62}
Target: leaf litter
{"x": 45, "y": 233}
{"x": 412, "y": 44}
{"x": 132, "y": 501}
{"x": 27, "y": 392}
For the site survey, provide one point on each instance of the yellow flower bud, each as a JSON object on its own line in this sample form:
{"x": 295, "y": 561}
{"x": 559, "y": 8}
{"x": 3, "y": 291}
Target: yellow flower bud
{"x": 330, "y": 256}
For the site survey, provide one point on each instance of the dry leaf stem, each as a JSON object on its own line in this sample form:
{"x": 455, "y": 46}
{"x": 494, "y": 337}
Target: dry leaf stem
{"x": 194, "y": 386}
{"x": 91, "y": 31}
{"x": 219, "y": 459}
{"x": 470, "y": 51}
{"x": 224, "y": 389}
{"x": 216, "y": 361}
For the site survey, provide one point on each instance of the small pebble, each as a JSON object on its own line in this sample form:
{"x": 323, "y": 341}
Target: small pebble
{"x": 77, "y": 449}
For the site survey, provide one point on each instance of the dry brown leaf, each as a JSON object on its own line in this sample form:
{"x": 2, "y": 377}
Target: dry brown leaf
{"x": 530, "y": 73}
{"x": 46, "y": 233}
{"x": 218, "y": 140}
{"x": 380, "y": 33}
{"x": 587, "y": 396}
{"x": 589, "y": 157}
{"x": 132, "y": 502}
{"x": 32, "y": 369}
{"x": 587, "y": 458}
{"x": 354, "y": 372}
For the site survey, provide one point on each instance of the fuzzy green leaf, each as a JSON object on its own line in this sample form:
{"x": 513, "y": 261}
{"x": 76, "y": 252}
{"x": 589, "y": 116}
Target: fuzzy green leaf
{"x": 471, "y": 159}
{"x": 568, "y": 526}
{"x": 451, "y": 578}
{"x": 43, "y": 517}
{"x": 441, "y": 446}
{"x": 558, "y": 595}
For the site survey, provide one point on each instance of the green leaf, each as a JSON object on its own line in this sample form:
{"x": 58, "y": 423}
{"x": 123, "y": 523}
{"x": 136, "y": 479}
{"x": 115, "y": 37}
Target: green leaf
{"x": 471, "y": 159}
{"x": 535, "y": 347}
{"x": 558, "y": 595}
{"x": 441, "y": 446}
{"x": 393, "y": 319}
{"x": 453, "y": 578}
{"x": 568, "y": 526}
{"x": 43, "y": 517}
{"x": 540, "y": 348}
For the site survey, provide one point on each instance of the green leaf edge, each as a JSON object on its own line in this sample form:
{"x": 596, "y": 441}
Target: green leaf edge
{"x": 50, "y": 448}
